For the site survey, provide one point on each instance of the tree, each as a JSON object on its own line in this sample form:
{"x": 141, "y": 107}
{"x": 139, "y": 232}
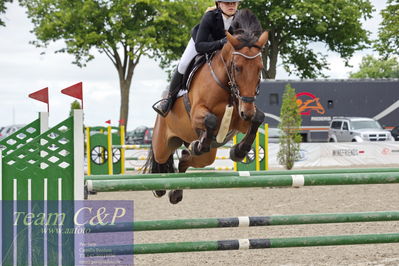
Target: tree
{"x": 74, "y": 105}
{"x": 3, "y": 9}
{"x": 371, "y": 67}
{"x": 296, "y": 25}
{"x": 123, "y": 30}
{"x": 388, "y": 33}
{"x": 290, "y": 126}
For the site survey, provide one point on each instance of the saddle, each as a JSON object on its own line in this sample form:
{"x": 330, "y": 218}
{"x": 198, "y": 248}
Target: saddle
{"x": 194, "y": 65}
{"x": 192, "y": 68}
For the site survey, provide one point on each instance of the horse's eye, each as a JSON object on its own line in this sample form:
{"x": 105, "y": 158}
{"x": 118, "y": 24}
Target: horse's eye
{"x": 237, "y": 68}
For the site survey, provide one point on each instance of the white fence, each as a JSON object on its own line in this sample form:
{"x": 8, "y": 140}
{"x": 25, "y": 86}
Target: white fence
{"x": 342, "y": 154}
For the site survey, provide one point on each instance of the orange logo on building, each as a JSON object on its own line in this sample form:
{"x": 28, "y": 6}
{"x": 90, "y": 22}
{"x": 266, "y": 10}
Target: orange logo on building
{"x": 307, "y": 103}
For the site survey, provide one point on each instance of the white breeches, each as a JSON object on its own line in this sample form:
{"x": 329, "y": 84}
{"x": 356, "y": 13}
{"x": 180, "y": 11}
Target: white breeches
{"x": 187, "y": 56}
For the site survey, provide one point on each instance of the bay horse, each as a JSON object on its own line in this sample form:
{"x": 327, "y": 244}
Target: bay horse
{"x": 230, "y": 79}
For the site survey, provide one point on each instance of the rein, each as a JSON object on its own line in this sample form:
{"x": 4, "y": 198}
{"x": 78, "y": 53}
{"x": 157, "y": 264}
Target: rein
{"x": 233, "y": 88}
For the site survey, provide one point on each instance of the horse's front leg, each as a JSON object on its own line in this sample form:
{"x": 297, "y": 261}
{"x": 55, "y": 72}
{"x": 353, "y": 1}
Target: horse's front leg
{"x": 205, "y": 123}
{"x": 240, "y": 150}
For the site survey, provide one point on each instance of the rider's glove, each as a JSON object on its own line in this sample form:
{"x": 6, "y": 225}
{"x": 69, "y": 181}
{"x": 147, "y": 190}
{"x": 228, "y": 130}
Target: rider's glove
{"x": 223, "y": 41}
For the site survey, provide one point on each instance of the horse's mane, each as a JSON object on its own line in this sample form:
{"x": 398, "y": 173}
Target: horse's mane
{"x": 246, "y": 27}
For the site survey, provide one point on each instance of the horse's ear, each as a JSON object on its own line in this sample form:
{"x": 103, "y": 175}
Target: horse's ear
{"x": 263, "y": 39}
{"x": 233, "y": 40}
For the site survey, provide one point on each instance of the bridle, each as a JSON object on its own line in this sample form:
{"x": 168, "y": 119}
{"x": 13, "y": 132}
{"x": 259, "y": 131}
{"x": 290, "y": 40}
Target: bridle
{"x": 233, "y": 88}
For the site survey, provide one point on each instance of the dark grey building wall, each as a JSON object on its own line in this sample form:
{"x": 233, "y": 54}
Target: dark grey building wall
{"x": 362, "y": 98}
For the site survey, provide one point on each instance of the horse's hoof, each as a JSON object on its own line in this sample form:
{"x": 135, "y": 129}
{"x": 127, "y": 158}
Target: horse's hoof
{"x": 175, "y": 196}
{"x": 159, "y": 193}
{"x": 233, "y": 155}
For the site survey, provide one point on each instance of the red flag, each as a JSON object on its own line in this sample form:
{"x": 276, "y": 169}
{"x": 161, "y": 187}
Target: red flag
{"x": 74, "y": 91}
{"x": 40, "y": 95}
{"x": 108, "y": 122}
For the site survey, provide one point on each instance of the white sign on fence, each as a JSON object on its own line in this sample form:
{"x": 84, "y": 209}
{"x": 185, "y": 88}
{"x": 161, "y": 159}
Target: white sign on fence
{"x": 342, "y": 154}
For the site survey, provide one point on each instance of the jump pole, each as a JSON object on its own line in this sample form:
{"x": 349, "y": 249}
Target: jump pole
{"x": 144, "y": 158}
{"x": 243, "y": 244}
{"x": 243, "y": 173}
{"x": 237, "y": 182}
{"x": 222, "y": 168}
{"x": 148, "y": 146}
{"x": 245, "y": 221}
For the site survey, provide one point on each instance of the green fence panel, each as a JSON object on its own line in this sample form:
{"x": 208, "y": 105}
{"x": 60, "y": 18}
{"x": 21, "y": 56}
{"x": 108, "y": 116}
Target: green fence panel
{"x": 38, "y": 178}
{"x": 20, "y": 137}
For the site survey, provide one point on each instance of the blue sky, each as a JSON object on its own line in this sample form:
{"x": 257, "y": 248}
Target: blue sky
{"x": 23, "y": 69}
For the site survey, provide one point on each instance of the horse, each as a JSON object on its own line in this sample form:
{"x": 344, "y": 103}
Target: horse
{"x": 220, "y": 99}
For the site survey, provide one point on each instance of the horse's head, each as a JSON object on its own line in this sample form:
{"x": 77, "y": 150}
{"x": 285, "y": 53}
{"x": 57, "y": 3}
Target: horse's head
{"x": 244, "y": 66}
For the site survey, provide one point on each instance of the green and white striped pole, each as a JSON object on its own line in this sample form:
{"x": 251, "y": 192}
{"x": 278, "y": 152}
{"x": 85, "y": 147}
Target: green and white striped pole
{"x": 244, "y": 173}
{"x": 241, "y": 181}
{"x": 242, "y": 244}
{"x": 245, "y": 221}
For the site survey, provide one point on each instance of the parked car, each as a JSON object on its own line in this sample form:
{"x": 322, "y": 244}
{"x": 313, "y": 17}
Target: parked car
{"x": 140, "y": 135}
{"x": 395, "y": 133}
{"x": 357, "y": 129}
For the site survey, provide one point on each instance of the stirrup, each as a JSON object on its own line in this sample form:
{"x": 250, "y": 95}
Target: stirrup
{"x": 159, "y": 111}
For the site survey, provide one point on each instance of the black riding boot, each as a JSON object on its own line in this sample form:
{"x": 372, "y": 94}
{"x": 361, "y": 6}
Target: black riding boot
{"x": 163, "y": 106}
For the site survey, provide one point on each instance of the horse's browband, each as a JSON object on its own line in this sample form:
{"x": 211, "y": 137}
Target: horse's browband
{"x": 232, "y": 85}
{"x": 247, "y": 56}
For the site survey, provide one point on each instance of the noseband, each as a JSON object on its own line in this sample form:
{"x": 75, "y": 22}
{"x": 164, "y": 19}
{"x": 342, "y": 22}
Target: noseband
{"x": 233, "y": 88}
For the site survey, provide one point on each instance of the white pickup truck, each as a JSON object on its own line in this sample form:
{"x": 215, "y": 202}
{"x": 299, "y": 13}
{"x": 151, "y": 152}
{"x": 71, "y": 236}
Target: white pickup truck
{"x": 357, "y": 129}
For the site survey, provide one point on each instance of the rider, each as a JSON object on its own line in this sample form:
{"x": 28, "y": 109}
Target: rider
{"x": 209, "y": 36}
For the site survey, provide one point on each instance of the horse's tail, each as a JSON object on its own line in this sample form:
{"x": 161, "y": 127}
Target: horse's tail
{"x": 151, "y": 166}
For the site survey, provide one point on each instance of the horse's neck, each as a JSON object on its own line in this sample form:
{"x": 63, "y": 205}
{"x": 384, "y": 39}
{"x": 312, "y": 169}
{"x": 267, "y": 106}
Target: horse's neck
{"x": 212, "y": 95}
{"x": 220, "y": 64}
{"x": 219, "y": 69}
